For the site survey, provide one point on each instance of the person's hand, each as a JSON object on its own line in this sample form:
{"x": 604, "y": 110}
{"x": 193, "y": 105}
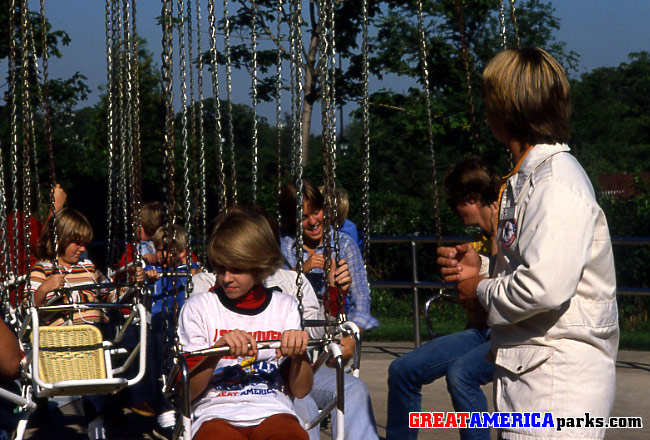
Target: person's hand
{"x": 458, "y": 263}
{"x": 340, "y": 275}
{"x": 238, "y": 341}
{"x": 54, "y": 282}
{"x": 60, "y": 197}
{"x": 348, "y": 346}
{"x": 140, "y": 274}
{"x": 314, "y": 261}
{"x": 294, "y": 343}
{"x": 152, "y": 274}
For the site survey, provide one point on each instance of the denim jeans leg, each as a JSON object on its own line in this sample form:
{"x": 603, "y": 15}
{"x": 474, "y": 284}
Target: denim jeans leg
{"x": 464, "y": 379}
{"x": 359, "y": 417}
{"x": 408, "y": 373}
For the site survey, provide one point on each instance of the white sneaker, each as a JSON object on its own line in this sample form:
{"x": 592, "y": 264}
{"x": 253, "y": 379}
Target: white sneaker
{"x": 96, "y": 429}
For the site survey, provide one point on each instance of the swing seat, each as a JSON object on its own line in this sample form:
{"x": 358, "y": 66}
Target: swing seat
{"x": 74, "y": 360}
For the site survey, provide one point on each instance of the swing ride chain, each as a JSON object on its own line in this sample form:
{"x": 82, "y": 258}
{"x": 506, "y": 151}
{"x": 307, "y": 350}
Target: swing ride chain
{"x": 231, "y": 128}
{"x": 186, "y": 164}
{"x": 514, "y": 22}
{"x": 128, "y": 122}
{"x": 4, "y": 232}
{"x": 47, "y": 110}
{"x": 192, "y": 117}
{"x": 13, "y": 269}
{"x": 124, "y": 101}
{"x": 217, "y": 104}
{"x": 110, "y": 148}
{"x": 137, "y": 166}
{"x": 366, "y": 140}
{"x": 278, "y": 114}
{"x": 39, "y": 92}
{"x": 329, "y": 202}
{"x": 465, "y": 58}
{"x": 296, "y": 23}
{"x": 333, "y": 146}
{"x": 168, "y": 169}
{"x": 27, "y": 124}
{"x": 203, "y": 200}
{"x": 502, "y": 25}
{"x": 427, "y": 95}
{"x": 254, "y": 88}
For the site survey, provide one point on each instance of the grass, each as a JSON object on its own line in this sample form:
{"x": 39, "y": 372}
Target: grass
{"x": 401, "y": 329}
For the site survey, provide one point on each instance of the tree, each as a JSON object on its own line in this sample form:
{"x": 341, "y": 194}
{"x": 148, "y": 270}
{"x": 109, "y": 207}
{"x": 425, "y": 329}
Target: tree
{"x": 611, "y": 116}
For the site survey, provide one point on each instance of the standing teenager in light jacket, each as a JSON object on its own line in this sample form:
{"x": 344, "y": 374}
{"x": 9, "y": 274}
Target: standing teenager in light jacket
{"x": 551, "y": 294}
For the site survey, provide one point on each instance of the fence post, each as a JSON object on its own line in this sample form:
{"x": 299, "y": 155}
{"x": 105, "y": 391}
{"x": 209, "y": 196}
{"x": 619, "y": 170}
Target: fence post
{"x": 416, "y": 299}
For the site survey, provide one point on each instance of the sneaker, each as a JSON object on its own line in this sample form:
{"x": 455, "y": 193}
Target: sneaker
{"x": 166, "y": 422}
{"x": 96, "y": 430}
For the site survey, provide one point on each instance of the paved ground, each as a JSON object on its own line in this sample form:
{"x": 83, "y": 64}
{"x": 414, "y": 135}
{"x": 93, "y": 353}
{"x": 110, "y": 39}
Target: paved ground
{"x": 632, "y": 397}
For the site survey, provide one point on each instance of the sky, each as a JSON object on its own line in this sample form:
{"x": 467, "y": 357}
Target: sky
{"x": 602, "y": 32}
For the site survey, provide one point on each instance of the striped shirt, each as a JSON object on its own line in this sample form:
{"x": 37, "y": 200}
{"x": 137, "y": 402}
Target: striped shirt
{"x": 359, "y": 294}
{"x": 81, "y": 273}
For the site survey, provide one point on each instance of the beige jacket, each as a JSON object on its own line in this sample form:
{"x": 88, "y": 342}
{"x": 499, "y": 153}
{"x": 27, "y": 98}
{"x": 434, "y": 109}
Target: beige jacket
{"x": 552, "y": 298}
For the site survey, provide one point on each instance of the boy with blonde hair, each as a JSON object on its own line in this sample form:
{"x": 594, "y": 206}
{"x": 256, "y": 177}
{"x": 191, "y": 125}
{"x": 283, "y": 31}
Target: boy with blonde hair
{"x": 551, "y": 294}
{"x": 245, "y": 394}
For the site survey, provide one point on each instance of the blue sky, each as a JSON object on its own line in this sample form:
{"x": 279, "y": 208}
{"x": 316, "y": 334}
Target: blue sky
{"x": 602, "y": 32}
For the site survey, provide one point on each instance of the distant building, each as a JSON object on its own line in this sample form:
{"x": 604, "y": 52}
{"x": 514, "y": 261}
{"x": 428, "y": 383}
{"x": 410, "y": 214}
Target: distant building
{"x": 621, "y": 185}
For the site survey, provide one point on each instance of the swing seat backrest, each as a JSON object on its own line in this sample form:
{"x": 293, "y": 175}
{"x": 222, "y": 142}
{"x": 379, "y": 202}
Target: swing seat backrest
{"x": 71, "y": 353}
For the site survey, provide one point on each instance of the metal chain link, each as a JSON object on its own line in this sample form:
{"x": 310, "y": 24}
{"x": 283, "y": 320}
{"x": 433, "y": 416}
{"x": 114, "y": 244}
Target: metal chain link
{"x": 184, "y": 130}
{"x": 137, "y": 166}
{"x": 365, "y": 107}
{"x": 170, "y": 343}
{"x": 278, "y": 113}
{"x": 47, "y": 112}
{"x": 192, "y": 121}
{"x": 231, "y": 129}
{"x": 110, "y": 135}
{"x": 27, "y": 129}
{"x": 124, "y": 120}
{"x": 427, "y": 96}
{"x": 5, "y": 267}
{"x": 129, "y": 196}
{"x": 217, "y": 104}
{"x": 502, "y": 25}
{"x": 13, "y": 66}
{"x": 514, "y": 22}
{"x": 296, "y": 66}
{"x": 201, "y": 143}
{"x": 254, "y": 93}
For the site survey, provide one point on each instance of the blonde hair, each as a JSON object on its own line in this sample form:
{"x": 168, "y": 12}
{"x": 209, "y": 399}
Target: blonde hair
{"x": 151, "y": 215}
{"x": 71, "y": 227}
{"x": 342, "y": 204}
{"x": 527, "y": 91}
{"x": 178, "y": 239}
{"x": 244, "y": 240}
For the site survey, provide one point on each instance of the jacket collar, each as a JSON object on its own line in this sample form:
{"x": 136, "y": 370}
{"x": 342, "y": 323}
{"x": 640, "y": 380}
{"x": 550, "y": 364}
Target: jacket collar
{"x": 535, "y": 157}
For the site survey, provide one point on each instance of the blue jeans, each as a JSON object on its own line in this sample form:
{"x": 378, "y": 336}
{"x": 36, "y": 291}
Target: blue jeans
{"x": 459, "y": 356}
{"x": 359, "y": 418}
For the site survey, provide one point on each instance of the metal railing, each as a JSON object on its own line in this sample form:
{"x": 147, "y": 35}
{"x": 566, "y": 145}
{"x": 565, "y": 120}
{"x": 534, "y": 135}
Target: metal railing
{"x": 415, "y": 284}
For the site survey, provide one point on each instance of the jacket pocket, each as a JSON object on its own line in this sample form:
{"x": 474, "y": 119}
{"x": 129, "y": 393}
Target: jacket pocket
{"x": 524, "y": 378}
{"x": 522, "y": 358}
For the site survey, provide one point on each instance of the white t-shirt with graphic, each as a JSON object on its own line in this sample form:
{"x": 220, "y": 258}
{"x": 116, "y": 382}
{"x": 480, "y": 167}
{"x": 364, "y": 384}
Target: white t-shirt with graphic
{"x": 243, "y": 391}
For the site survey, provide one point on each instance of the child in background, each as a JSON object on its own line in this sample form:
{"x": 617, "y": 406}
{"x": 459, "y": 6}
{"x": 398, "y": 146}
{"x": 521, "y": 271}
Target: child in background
{"x": 60, "y": 266}
{"x": 151, "y": 218}
{"x": 167, "y": 297}
{"x": 460, "y": 357}
{"x": 550, "y": 293}
{"x": 245, "y": 394}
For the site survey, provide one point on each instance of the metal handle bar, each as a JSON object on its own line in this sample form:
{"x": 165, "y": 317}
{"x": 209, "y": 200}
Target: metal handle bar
{"x": 261, "y": 345}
